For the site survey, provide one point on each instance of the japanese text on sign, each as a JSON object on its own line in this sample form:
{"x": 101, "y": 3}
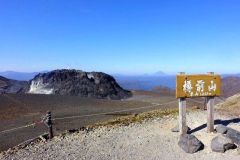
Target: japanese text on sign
{"x": 197, "y": 85}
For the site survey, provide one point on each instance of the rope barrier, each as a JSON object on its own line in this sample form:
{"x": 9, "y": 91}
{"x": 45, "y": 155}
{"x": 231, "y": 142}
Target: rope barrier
{"x": 17, "y": 128}
{"x": 26, "y": 126}
{"x": 89, "y": 115}
{"x": 193, "y": 100}
{"x": 97, "y": 114}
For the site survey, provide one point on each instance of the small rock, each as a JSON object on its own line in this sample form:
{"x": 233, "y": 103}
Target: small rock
{"x": 222, "y": 143}
{"x": 43, "y": 138}
{"x": 176, "y": 129}
{"x": 73, "y": 130}
{"x": 190, "y": 144}
{"x": 221, "y": 129}
{"x": 233, "y": 135}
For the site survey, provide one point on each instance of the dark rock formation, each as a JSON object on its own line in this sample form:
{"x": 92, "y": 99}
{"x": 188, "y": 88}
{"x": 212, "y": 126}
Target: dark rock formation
{"x": 190, "y": 144}
{"x": 222, "y": 143}
{"x": 234, "y": 135}
{"x": 77, "y": 83}
{"x": 12, "y": 86}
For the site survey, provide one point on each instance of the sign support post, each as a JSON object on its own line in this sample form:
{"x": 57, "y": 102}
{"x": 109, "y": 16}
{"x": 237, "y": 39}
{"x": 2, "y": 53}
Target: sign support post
{"x": 182, "y": 113}
{"x": 210, "y": 114}
{"x": 210, "y": 111}
{"x": 198, "y": 85}
{"x": 182, "y": 116}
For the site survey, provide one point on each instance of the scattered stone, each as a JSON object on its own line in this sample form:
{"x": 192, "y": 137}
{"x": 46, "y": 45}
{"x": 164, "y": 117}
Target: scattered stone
{"x": 176, "y": 129}
{"x": 233, "y": 135}
{"x": 222, "y": 143}
{"x": 190, "y": 144}
{"x": 221, "y": 129}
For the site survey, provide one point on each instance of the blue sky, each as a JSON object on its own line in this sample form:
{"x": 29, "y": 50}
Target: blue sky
{"x": 120, "y": 36}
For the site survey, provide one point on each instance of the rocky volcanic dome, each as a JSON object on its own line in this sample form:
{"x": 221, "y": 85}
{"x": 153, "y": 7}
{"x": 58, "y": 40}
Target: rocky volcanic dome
{"x": 77, "y": 83}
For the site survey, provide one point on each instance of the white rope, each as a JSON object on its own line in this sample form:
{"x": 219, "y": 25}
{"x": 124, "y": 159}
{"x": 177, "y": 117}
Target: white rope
{"x": 193, "y": 100}
{"x": 89, "y": 115}
{"x": 13, "y": 129}
{"x": 98, "y": 114}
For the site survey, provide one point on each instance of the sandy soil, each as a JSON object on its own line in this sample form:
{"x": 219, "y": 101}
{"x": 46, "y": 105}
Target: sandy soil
{"x": 19, "y": 110}
{"x": 151, "y": 139}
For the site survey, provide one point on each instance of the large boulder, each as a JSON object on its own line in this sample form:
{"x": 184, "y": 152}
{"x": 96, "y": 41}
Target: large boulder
{"x": 233, "y": 135}
{"x": 77, "y": 83}
{"x": 221, "y": 129}
{"x": 190, "y": 144}
{"x": 222, "y": 143}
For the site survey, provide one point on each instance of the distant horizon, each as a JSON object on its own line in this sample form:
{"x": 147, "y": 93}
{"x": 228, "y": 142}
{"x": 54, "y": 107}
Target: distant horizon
{"x": 123, "y": 74}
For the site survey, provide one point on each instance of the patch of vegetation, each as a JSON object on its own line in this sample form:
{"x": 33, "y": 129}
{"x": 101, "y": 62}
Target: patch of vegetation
{"x": 139, "y": 118}
{"x": 230, "y": 106}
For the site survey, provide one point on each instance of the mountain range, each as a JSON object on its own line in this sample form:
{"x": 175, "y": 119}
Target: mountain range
{"x": 148, "y": 82}
{"x": 21, "y": 76}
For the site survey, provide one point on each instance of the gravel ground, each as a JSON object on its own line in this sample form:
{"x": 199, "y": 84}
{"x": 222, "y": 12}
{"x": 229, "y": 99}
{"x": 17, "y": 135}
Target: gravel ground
{"x": 151, "y": 139}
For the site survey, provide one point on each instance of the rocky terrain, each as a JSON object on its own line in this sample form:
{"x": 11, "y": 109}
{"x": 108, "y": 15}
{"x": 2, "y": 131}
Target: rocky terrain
{"x": 12, "y": 86}
{"x": 77, "y": 83}
{"x": 151, "y": 139}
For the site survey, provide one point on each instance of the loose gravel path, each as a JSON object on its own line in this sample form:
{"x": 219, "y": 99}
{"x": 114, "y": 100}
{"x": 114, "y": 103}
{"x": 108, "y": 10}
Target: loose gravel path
{"x": 152, "y": 139}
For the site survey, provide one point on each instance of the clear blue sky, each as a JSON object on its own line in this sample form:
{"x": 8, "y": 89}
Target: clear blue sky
{"x": 120, "y": 36}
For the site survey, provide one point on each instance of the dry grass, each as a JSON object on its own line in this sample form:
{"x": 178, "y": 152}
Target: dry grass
{"x": 139, "y": 118}
{"x": 231, "y": 106}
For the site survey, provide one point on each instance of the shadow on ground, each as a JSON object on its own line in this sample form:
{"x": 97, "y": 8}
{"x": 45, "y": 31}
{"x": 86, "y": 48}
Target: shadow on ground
{"x": 216, "y": 122}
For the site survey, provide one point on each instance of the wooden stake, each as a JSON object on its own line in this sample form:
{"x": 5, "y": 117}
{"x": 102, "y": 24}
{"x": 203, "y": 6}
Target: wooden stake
{"x": 49, "y": 123}
{"x": 210, "y": 114}
{"x": 182, "y": 116}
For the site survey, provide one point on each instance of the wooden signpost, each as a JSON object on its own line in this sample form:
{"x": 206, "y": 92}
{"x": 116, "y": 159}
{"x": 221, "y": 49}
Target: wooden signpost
{"x": 200, "y": 85}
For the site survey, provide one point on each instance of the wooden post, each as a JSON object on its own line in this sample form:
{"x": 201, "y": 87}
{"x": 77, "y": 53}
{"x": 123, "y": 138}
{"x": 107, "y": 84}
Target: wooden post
{"x": 205, "y": 103}
{"x": 49, "y": 123}
{"x": 210, "y": 114}
{"x": 182, "y": 116}
{"x": 182, "y": 113}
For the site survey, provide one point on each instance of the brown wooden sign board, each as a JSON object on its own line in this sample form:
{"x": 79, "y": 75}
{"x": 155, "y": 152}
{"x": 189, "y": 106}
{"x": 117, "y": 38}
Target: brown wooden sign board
{"x": 200, "y": 85}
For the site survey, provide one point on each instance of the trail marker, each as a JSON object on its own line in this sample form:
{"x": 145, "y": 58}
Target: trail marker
{"x": 199, "y": 85}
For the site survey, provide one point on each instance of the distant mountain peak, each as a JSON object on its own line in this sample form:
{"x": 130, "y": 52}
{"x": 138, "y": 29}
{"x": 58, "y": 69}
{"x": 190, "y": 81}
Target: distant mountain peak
{"x": 160, "y": 73}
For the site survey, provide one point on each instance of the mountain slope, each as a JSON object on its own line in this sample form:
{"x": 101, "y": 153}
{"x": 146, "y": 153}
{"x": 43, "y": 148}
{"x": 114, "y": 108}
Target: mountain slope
{"x": 162, "y": 90}
{"x": 12, "y": 86}
{"x": 230, "y": 86}
{"x": 231, "y": 105}
{"x": 21, "y": 76}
